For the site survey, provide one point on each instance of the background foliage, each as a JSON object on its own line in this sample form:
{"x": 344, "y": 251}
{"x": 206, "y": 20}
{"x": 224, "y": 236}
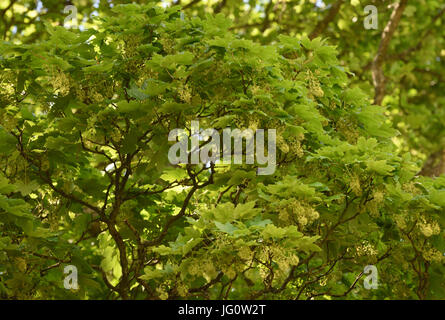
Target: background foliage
{"x": 85, "y": 179}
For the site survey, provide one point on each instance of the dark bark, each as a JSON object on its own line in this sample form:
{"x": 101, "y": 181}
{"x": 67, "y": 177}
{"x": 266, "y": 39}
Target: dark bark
{"x": 378, "y": 77}
{"x": 323, "y": 24}
{"x": 434, "y": 166}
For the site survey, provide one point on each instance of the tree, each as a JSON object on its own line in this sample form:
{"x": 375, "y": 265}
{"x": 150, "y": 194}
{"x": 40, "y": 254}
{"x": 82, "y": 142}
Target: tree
{"x": 86, "y": 179}
{"x": 388, "y": 65}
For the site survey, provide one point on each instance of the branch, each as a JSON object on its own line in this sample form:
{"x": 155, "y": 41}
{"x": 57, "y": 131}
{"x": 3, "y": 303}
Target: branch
{"x": 181, "y": 213}
{"x": 378, "y": 77}
{"x": 323, "y": 24}
{"x": 208, "y": 284}
{"x": 9, "y": 6}
{"x": 191, "y": 4}
{"x": 266, "y": 21}
{"x": 220, "y": 6}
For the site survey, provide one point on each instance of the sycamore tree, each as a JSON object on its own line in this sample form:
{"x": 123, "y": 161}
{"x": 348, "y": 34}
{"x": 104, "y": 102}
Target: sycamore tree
{"x": 86, "y": 182}
{"x": 398, "y": 61}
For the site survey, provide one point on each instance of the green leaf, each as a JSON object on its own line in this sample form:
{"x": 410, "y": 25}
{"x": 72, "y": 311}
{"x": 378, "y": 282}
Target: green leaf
{"x": 225, "y": 227}
{"x": 379, "y": 166}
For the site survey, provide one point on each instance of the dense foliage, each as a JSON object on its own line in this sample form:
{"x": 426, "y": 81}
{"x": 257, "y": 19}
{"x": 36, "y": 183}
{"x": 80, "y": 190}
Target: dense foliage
{"x": 85, "y": 179}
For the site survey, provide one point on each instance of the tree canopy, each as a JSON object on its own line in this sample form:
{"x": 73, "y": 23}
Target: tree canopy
{"x": 85, "y": 115}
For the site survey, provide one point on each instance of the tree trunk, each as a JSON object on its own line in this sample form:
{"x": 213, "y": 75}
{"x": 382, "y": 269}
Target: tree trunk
{"x": 434, "y": 166}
